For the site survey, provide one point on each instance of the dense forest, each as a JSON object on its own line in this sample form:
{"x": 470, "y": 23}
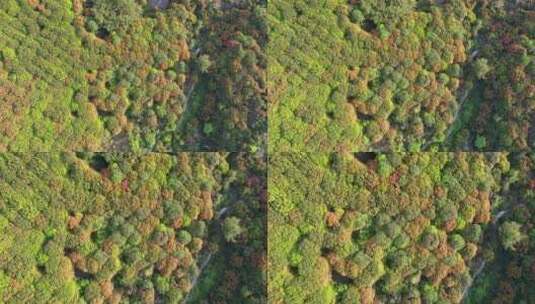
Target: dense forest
{"x": 509, "y": 274}
{"x": 131, "y": 75}
{"x": 138, "y": 165}
{"x": 404, "y": 75}
{"x": 500, "y": 112}
{"x": 125, "y": 228}
{"x": 400, "y": 228}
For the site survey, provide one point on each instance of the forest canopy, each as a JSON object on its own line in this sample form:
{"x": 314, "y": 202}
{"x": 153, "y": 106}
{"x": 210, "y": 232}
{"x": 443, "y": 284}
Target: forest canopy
{"x": 398, "y": 227}
{"x": 125, "y": 228}
{"x": 136, "y": 138}
{"x": 131, "y": 75}
{"x": 403, "y": 75}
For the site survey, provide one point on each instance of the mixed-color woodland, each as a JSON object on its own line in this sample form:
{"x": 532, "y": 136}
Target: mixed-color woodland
{"x": 403, "y": 75}
{"x": 135, "y": 150}
{"x": 401, "y": 228}
{"x": 131, "y": 75}
{"x": 123, "y": 228}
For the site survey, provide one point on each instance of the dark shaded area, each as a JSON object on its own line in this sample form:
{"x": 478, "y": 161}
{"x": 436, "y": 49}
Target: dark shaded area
{"x": 293, "y": 270}
{"x": 41, "y": 269}
{"x": 365, "y": 157}
{"x": 81, "y": 275}
{"x": 98, "y": 162}
{"x": 67, "y": 251}
{"x": 102, "y": 33}
{"x": 325, "y": 251}
{"x": 340, "y": 279}
{"x": 369, "y": 25}
{"x": 355, "y": 235}
{"x": 89, "y": 4}
{"x": 104, "y": 113}
{"x": 159, "y": 4}
{"x": 362, "y": 116}
{"x": 426, "y": 5}
{"x": 330, "y": 114}
{"x": 93, "y": 236}
{"x": 531, "y": 134}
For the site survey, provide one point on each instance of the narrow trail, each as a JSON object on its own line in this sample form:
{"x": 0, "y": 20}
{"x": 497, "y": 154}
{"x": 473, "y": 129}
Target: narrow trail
{"x": 218, "y": 5}
{"x": 119, "y": 142}
{"x": 208, "y": 257}
{"x": 479, "y": 270}
{"x": 481, "y": 263}
{"x": 190, "y": 87}
{"x": 479, "y": 42}
{"x": 490, "y": 236}
{"x": 463, "y": 94}
{"x": 462, "y": 105}
{"x": 195, "y": 49}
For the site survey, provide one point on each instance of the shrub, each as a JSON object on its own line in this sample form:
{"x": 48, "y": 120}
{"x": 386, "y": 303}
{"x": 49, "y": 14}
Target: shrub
{"x": 511, "y": 234}
{"x": 232, "y": 228}
{"x": 481, "y": 68}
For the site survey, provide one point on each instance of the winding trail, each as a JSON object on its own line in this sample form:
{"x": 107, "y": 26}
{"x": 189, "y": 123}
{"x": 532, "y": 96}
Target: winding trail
{"x": 209, "y": 257}
{"x": 479, "y": 270}
{"x": 480, "y": 265}
{"x": 463, "y": 93}
{"x": 218, "y": 5}
{"x": 196, "y": 50}
{"x": 479, "y": 41}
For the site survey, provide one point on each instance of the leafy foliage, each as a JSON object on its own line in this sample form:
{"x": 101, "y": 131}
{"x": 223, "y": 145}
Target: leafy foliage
{"x": 365, "y": 75}
{"x": 511, "y": 234}
{"x": 502, "y": 105}
{"x": 510, "y": 249}
{"x": 73, "y": 234}
{"x": 118, "y": 75}
{"x": 400, "y": 75}
{"x": 340, "y": 231}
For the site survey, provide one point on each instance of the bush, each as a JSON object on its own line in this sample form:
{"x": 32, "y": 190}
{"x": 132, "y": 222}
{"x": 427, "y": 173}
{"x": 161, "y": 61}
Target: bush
{"x": 511, "y": 234}
{"x": 457, "y": 242}
{"x": 115, "y": 15}
{"x": 356, "y": 16}
{"x": 481, "y": 68}
{"x": 480, "y": 142}
{"x": 232, "y": 228}
{"x": 204, "y": 63}
{"x": 184, "y": 237}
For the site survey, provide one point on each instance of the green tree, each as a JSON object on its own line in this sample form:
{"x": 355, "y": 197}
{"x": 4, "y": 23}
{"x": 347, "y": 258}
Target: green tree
{"x": 356, "y": 16}
{"x": 473, "y": 233}
{"x": 510, "y": 234}
{"x": 184, "y": 237}
{"x": 481, "y": 68}
{"x": 232, "y": 228}
{"x": 115, "y": 15}
{"x": 204, "y": 63}
{"x": 481, "y": 142}
{"x": 457, "y": 242}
